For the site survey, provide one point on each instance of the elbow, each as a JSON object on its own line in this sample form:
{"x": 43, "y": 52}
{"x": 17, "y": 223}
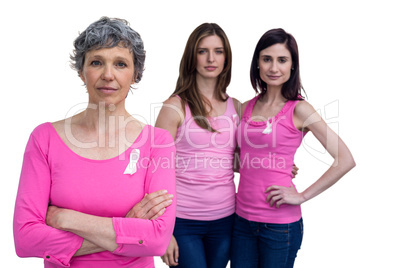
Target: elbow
{"x": 27, "y": 239}
{"x": 24, "y": 235}
{"x": 350, "y": 162}
{"x": 23, "y": 252}
{"x": 22, "y": 248}
{"x": 19, "y": 252}
{"x": 346, "y": 163}
{"x": 19, "y": 244}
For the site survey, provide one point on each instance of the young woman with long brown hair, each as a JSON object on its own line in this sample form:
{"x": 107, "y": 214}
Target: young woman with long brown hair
{"x": 203, "y": 119}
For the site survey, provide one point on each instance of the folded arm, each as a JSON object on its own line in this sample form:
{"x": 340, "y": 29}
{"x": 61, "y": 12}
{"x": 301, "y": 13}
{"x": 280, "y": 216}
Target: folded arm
{"x": 84, "y": 234}
{"x": 98, "y": 232}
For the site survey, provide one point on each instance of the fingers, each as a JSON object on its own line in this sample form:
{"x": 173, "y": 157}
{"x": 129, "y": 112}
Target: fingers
{"x": 157, "y": 206}
{"x": 273, "y": 197}
{"x": 156, "y": 198}
{"x": 153, "y": 214}
{"x": 165, "y": 259}
{"x": 171, "y": 257}
{"x": 174, "y": 258}
{"x": 276, "y": 200}
{"x": 152, "y": 206}
{"x": 295, "y": 170}
{"x": 148, "y": 197}
{"x": 278, "y": 195}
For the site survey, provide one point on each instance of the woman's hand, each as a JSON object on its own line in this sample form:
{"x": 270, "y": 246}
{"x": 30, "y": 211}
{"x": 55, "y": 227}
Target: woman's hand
{"x": 53, "y": 217}
{"x": 171, "y": 256}
{"x": 295, "y": 170}
{"x": 283, "y": 195}
{"x": 151, "y": 206}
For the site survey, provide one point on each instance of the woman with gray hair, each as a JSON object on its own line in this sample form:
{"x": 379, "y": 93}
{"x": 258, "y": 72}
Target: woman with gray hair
{"x": 93, "y": 191}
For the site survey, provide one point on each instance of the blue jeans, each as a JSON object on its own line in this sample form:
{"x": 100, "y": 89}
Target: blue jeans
{"x": 257, "y": 244}
{"x": 203, "y": 244}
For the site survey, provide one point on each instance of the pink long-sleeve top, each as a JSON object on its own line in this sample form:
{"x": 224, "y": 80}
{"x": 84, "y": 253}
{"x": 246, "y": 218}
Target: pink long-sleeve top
{"x": 53, "y": 174}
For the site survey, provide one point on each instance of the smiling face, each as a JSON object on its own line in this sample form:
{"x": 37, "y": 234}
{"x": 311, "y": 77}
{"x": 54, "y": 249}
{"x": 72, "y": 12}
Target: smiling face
{"x": 108, "y": 74}
{"x": 210, "y": 57}
{"x": 275, "y": 64}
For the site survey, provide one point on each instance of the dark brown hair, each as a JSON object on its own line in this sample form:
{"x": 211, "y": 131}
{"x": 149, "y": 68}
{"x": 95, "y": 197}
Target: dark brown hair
{"x": 291, "y": 90}
{"x": 186, "y": 86}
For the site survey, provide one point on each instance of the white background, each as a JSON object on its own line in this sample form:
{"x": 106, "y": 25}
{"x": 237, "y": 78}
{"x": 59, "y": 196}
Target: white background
{"x": 350, "y": 60}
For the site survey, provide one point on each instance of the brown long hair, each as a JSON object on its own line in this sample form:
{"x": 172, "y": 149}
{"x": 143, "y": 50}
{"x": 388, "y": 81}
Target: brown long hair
{"x": 186, "y": 86}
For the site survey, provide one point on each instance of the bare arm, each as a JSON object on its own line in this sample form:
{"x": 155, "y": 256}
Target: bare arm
{"x": 306, "y": 118}
{"x": 97, "y": 230}
{"x": 88, "y": 248}
{"x": 171, "y": 116}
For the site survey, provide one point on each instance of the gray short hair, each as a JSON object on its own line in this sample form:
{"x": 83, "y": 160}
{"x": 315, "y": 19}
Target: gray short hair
{"x": 108, "y": 33}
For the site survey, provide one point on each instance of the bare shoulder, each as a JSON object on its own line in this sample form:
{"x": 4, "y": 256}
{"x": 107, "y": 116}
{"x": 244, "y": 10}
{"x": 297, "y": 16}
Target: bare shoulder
{"x": 173, "y": 101}
{"x": 304, "y": 109}
{"x": 171, "y": 115}
{"x": 305, "y": 115}
{"x": 174, "y": 106}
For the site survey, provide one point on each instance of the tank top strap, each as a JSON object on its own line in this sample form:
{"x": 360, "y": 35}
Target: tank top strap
{"x": 231, "y": 111}
{"x": 290, "y": 107}
{"x": 287, "y": 115}
{"x": 230, "y": 106}
{"x": 249, "y": 107}
{"x": 187, "y": 110}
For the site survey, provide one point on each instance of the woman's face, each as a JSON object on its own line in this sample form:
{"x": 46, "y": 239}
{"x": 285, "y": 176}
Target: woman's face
{"x": 108, "y": 74}
{"x": 210, "y": 57}
{"x": 275, "y": 64}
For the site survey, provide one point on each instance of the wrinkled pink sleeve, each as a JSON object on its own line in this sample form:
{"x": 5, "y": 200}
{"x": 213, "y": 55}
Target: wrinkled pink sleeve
{"x": 138, "y": 237}
{"x": 32, "y": 237}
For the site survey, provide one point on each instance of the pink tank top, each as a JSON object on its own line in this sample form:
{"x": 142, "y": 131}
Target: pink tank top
{"x": 204, "y": 166}
{"x": 267, "y": 152}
